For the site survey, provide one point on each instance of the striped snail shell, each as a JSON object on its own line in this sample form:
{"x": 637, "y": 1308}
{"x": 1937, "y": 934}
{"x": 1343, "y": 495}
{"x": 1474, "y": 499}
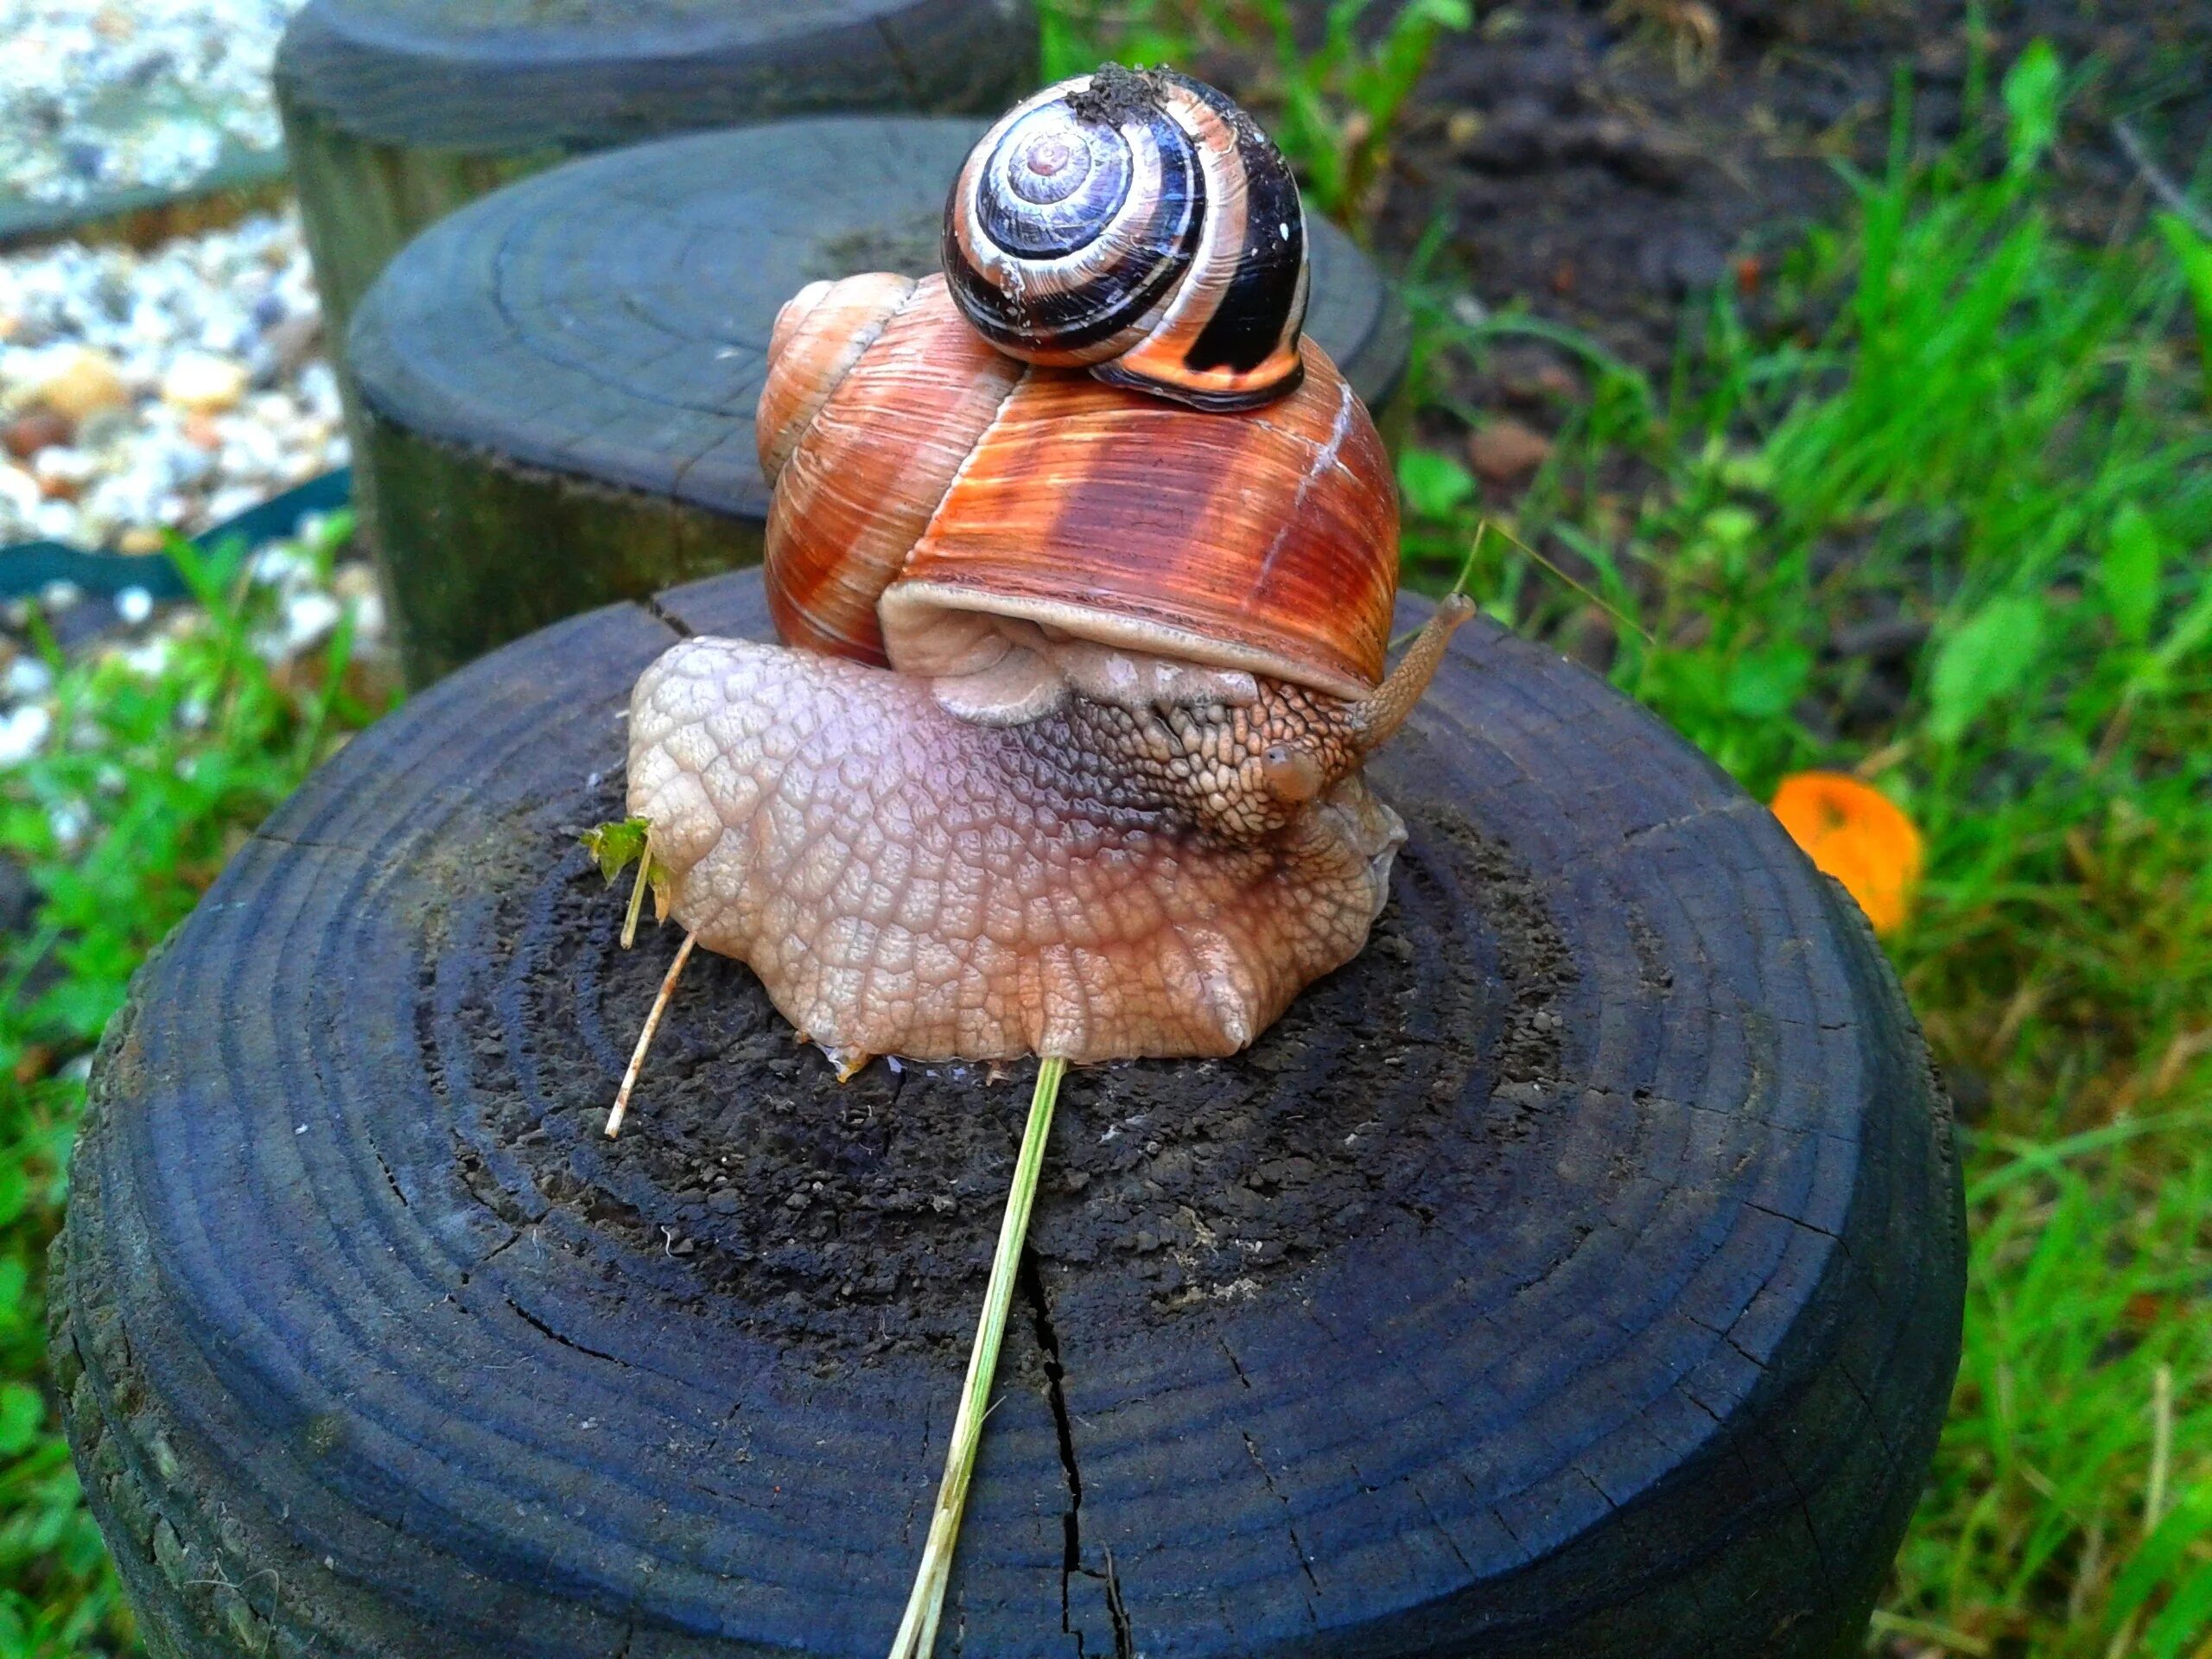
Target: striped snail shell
{"x": 917, "y": 473}
{"x": 1141, "y": 226}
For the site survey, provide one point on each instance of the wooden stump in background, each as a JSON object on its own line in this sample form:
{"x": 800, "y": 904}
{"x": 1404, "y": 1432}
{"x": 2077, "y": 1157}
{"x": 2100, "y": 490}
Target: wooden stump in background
{"x": 1576, "y": 1274}
{"x": 554, "y": 388}
{"x": 397, "y": 112}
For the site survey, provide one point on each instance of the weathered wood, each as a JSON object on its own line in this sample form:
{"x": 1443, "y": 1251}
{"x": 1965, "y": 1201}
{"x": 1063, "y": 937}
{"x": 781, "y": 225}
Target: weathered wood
{"x": 1576, "y": 1274}
{"x": 555, "y": 387}
{"x": 397, "y": 112}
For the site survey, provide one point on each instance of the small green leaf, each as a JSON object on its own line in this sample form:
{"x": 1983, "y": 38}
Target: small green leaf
{"x": 2032, "y": 97}
{"x": 2134, "y": 562}
{"x": 1435, "y": 483}
{"x": 1983, "y": 659}
{"x": 2194, "y": 254}
{"x": 21, "y": 1415}
{"x": 616, "y": 846}
{"x": 1765, "y": 684}
{"x": 1732, "y": 526}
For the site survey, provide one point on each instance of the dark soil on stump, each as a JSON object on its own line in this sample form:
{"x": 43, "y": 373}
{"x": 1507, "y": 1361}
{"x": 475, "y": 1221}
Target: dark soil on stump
{"x": 848, "y": 1214}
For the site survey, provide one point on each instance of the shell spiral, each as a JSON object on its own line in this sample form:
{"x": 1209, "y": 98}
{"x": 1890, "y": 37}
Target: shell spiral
{"x": 1141, "y": 226}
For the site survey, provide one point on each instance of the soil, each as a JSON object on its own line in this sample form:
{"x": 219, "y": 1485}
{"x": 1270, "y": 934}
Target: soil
{"x": 1608, "y": 162}
{"x": 856, "y": 1220}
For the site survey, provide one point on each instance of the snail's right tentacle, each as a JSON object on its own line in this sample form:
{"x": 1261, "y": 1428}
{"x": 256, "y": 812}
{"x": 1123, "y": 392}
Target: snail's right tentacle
{"x": 1376, "y": 719}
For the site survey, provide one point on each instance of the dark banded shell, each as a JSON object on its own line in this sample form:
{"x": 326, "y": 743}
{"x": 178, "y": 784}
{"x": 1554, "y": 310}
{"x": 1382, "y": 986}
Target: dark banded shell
{"x": 1139, "y": 226}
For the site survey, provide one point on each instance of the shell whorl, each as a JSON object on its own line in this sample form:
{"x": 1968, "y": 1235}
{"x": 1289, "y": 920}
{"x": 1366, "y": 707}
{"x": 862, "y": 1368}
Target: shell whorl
{"x": 1139, "y": 225}
{"x": 917, "y": 472}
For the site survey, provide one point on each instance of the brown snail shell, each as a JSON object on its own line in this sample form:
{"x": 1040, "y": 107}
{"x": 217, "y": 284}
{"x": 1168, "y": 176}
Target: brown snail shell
{"x": 916, "y": 470}
{"x": 1139, "y": 225}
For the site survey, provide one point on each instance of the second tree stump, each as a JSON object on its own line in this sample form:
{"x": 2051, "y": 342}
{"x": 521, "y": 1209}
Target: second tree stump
{"x": 397, "y": 112}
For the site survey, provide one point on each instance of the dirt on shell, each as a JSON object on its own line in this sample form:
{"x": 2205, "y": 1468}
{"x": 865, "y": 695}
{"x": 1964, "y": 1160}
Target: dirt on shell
{"x": 856, "y": 1220}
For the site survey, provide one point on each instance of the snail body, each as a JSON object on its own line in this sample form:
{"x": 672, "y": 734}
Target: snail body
{"x": 1095, "y": 883}
{"x": 1061, "y": 752}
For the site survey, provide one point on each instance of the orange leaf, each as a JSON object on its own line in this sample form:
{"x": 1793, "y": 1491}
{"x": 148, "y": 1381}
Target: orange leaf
{"x": 1860, "y": 836}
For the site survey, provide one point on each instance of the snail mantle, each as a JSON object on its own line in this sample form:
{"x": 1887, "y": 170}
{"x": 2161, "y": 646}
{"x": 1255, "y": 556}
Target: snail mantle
{"x": 1577, "y": 1271}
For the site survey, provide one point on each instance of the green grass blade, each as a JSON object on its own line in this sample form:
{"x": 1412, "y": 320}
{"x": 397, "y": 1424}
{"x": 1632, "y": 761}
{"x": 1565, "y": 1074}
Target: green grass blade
{"x": 917, "y": 1630}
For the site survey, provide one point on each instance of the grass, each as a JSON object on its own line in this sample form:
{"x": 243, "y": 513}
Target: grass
{"x": 161, "y": 760}
{"x": 1955, "y": 424}
{"x": 1996, "y": 440}
{"x": 1331, "y": 106}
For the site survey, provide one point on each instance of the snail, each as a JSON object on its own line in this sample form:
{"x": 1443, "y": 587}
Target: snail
{"x": 1141, "y": 226}
{"x": 1061, "y": 752}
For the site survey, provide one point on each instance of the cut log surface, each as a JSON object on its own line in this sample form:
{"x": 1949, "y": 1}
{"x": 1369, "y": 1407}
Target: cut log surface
{"x": 556, "y": 384}
{"x": 397, "y": 112}
{"x": 1578, "y": 1273}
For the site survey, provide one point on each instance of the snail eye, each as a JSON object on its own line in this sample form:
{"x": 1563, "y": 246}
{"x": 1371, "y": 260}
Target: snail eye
{"x": 1292, "y": 774}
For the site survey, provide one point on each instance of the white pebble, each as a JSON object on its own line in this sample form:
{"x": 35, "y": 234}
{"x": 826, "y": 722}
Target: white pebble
{"x": 134, "y": 606}
{"x": 23, "y": 733}
{"x": 203, "y": 383}
{"x": 29, "y": 677}
{"x": 309, "y": 619}
{"x": 68, "y": 824}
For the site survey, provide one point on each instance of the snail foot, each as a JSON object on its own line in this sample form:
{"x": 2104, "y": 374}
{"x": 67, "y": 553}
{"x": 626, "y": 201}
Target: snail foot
{"x": 848, "y": 1063}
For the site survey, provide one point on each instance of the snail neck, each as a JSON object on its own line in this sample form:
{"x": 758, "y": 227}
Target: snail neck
{"x": 1009, "y": 670}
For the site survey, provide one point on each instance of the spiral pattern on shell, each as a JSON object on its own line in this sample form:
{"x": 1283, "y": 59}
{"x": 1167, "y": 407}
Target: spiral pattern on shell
{"x": 1139, "y": 225}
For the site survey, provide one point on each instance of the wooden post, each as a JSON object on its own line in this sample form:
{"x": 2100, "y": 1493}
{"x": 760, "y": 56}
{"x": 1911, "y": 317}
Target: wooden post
{"x": 555, "y": 387}
{"x": 397, "y": 112}
{"x": 1577, "y": 1274}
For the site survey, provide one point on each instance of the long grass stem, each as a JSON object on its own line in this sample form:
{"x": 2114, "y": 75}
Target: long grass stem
{"x": 646, "y": 1037}
{"x": 917, "y": 1630}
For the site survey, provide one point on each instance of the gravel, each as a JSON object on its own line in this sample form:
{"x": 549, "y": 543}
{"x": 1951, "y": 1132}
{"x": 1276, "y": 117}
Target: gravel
{"x": 171, "y": 389}
{"x": 100, "y": 98}
{"x": 284, "y": 584}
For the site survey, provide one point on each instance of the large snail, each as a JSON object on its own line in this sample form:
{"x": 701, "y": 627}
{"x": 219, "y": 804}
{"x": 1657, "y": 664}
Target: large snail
{"x": 1062, "y": 753}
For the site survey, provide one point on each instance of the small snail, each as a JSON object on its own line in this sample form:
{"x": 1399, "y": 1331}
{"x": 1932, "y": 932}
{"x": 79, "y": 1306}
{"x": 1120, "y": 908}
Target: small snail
{"x": 1139, "y": 225}
{"x": 1062, "y": 753}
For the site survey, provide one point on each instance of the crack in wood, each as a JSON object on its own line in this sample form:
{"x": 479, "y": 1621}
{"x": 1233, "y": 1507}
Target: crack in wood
{"x": 1305, "y": 1565}
{"x": 1031, "y": 1285}
{"x": 667, "y": 618}
{"x": 532, "y": 1319}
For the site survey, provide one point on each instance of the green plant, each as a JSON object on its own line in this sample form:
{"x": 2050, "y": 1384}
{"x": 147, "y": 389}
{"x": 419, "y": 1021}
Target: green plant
{"x": 162, "y": 760}
{"x": 2194, "y": 254}
{"x": 1334, "y": 107}
{"x": 1077, "y": 36}
{"x": 1967, "y": 427}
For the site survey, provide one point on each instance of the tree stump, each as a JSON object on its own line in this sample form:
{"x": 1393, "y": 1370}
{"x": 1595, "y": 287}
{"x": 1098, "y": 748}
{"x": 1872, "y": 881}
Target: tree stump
{"x": 1578, "y": 1273}
{"x": 397, "y": 112}
{"x": 554, "y": 388}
